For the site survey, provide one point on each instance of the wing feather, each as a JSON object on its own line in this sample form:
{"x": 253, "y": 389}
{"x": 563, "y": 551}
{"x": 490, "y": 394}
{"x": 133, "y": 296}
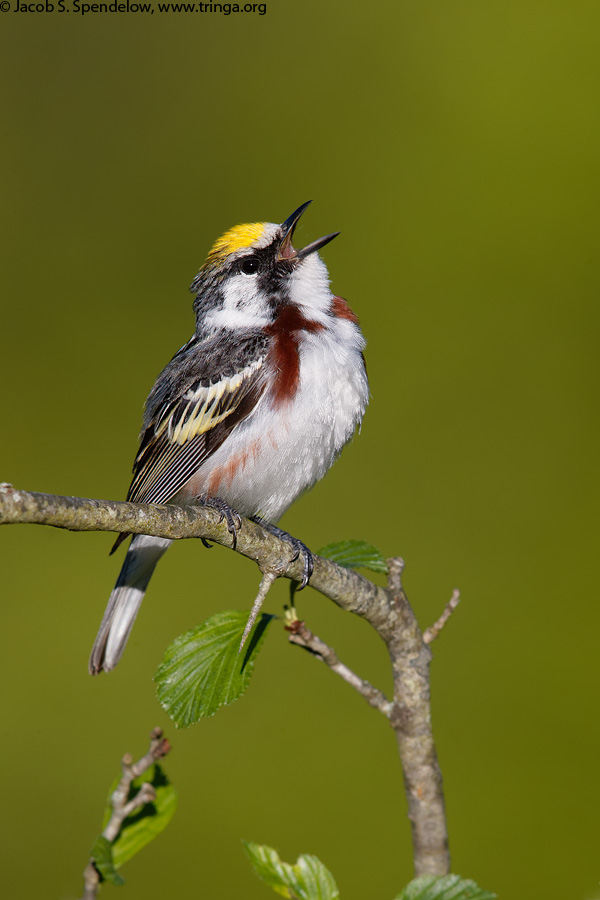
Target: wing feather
{"x": 185, "y": 431}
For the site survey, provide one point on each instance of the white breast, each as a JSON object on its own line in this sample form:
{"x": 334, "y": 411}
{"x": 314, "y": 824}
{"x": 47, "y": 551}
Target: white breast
{"x": 280, "y": 451}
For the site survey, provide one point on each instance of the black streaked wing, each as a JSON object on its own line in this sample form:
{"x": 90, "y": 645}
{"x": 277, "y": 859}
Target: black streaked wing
{"x": 186, "y": 431}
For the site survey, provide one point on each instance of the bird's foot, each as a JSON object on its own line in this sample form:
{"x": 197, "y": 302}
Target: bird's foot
{"x": 297, "y": 545}
{"x": 233, "y": 519}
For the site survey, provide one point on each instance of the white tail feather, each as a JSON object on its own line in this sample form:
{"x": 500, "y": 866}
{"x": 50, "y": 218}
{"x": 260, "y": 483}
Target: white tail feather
{"x": 142, "y": 556}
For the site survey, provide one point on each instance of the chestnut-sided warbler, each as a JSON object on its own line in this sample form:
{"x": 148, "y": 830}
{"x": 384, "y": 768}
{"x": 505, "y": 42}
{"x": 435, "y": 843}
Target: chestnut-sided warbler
{"x": 253, "y": 410}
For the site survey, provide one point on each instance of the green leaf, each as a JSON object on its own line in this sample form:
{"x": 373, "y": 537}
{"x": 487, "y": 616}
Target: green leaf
{"x": 203, "y": 669}
{"x": 103, "y": 860}
{"x": 355, "y": 555}
{"x": 308, "y": 879}
{"x": 148, "y": 821}
{"x": 443, "y": 887}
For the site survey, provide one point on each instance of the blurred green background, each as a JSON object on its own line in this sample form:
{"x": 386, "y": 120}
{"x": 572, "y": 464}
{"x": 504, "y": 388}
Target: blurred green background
{"x": 455, "y": 145}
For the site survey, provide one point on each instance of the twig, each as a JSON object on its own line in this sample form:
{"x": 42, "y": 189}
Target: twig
{"x": 121, "y": 806}
{"x": 91, "y": 878}
{"x": 267, "y": 581}
{"x": 303, "y": 637}
{"x": 432, "y": 632}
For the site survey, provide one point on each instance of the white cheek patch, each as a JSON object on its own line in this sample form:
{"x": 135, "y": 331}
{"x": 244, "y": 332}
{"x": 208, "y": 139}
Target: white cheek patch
{"x": 243, "y": 305}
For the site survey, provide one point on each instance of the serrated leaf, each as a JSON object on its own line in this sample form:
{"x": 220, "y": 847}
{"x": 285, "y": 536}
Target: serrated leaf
{"x": 203, "y": 669}
{"x": 103, "y": 860}
{"x": 148, "y": 821}
{"x": 308, "y": 879}
{"x": 355, "y": 554}
{"x": 443, "y": 887}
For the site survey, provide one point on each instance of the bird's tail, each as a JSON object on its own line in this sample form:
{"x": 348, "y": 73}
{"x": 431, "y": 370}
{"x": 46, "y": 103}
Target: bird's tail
{"x": 143, "y": 554}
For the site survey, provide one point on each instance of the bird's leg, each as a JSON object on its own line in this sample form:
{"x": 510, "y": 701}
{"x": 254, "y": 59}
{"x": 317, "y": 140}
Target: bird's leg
{"x": 297, "y": 545}
{"x": 233, "y": 519}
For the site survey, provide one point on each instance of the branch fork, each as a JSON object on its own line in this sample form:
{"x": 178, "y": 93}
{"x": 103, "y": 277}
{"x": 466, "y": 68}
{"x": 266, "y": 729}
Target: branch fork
{"x": 121, "y": 806}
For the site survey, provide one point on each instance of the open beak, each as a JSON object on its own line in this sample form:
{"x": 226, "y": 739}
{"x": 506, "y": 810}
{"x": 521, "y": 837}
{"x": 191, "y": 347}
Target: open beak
{"x": 286, "y": 250}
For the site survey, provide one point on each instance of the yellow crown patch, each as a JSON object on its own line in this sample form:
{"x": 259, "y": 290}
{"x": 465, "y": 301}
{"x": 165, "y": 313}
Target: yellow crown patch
{"x": 237, "y": 238}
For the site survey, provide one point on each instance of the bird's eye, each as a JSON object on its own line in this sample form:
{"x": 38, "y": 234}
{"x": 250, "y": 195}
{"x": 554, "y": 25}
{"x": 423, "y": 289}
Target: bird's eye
{"x": 250, "y": 265}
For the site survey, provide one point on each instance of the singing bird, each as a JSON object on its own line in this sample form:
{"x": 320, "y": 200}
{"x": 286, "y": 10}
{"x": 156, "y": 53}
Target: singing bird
{"x": 253, "y": 410}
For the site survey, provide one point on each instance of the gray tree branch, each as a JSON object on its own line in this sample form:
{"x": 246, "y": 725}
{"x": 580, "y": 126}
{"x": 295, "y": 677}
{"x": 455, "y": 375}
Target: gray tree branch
{"x": 386, "y": 609}
{"x": 122, "y": 807}
{"x": 302, "y": 636}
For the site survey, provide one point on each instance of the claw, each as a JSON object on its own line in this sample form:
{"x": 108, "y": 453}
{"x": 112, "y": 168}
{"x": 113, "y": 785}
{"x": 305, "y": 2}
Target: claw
{"x": 297, "y": 545}
{"x": 233, "y": 518}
